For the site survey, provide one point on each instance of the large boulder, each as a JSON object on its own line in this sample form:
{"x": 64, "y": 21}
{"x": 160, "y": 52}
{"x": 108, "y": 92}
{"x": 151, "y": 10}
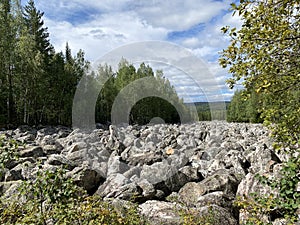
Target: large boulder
{"x": 159, "y": 212}
{"x": 32, "y": 151}
{"x": 88, "y": 179}
{"x": 113, "y": 185}
{"x": 222, "y": 180}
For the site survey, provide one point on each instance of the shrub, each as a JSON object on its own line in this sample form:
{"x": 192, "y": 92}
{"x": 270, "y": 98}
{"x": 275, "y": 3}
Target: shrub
{"x": 52, "y": 198}
{"x": 8, "y": 152}
{"x": 285, "y": 205}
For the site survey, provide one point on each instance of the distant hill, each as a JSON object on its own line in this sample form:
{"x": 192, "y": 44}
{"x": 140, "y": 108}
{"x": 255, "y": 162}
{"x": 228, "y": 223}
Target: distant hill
{"x": 210, "y": 110}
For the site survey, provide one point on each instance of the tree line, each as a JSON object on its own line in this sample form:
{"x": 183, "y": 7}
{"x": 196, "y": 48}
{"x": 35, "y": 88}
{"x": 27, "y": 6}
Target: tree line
{"x": 145, "y": 109}
{"x": 244, "y": 107}
{"x": 207, "y": 111}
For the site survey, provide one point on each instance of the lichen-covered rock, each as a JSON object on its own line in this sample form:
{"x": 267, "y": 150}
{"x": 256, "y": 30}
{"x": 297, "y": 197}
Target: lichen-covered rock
{"x": 159, "y": 212}
{"x": 190, "y": 193}
{"x": 216, "y": 198}
{"x": 32, "y": 151}
{"x": 112, "y": 185}
{"x": 60, "y": 160}
{"x": 9, "y": 189}
{"x": 251, "y": 184}
{"x": 214, "y": 214}
{"x": 14, "y": 174}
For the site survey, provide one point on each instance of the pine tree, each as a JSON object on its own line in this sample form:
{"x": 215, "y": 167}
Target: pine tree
{"x": 35, "y": 24}
{"x": 35, "y": 49}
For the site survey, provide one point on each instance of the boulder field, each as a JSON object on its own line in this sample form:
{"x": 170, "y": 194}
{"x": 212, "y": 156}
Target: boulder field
{"x": 202, "y": 166}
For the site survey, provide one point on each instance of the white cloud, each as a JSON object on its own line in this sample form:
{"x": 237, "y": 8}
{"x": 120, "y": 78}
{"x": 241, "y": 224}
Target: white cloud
{"x": 98, "y": 27}
{"x": 205, "y": 52}
{"x": 126, "y": 21}
{"x": 210, "y": 41}
{"x": 191, "y": 42}
{"x": 180, "y": 15}
{"x": 103, "y": 34}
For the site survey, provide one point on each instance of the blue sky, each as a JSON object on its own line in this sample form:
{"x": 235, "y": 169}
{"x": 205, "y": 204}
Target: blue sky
{"x": 99, "y": 27}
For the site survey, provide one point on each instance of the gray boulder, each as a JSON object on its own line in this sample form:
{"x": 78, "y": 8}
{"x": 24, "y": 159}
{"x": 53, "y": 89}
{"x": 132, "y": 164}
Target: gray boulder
{"x": 159, "y": 212}
{"x": 88, "y": 179}
{"x": 32, "y": 151}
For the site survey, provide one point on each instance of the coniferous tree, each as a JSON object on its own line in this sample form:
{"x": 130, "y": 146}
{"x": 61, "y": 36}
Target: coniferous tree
{"x": 244, "y": 107}
{"x": 37, "y": 85}
{"x": 237, "y": 108}
{"x": 35, "y": 24}
{"x": 36, "y": 50}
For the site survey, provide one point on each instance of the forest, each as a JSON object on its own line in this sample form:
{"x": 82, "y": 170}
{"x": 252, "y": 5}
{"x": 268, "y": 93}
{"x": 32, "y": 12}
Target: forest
{"x": 38, "y": 84}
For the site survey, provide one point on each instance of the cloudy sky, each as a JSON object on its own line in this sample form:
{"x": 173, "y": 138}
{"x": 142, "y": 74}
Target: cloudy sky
{"x": 99, "y": 27}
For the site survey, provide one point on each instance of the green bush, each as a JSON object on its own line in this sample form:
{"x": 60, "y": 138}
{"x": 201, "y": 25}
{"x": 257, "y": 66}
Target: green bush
{"x": 285, "y": 205}
{"x": 191, "y": 216}
{"x": 8, "y": 152}
{"x": 52, "y": 198}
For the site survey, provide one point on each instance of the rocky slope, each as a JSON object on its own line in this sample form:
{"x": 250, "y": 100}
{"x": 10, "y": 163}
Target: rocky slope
{"x": 203, "y": 166}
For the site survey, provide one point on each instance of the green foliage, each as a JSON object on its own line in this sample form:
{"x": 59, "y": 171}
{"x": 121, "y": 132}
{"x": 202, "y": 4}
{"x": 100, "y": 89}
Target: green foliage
{"x": 256, "y": 208}
{"x": 286, "y": 204}
{"x": 264, "y": 55}
{"x": 53, "y": 198}
{"x": 237, "y": 109}
{"x": 287, "y": 188}
{"x": 267, "y": 62}
{"x": 206, "y": 110}
{"x": 37, "y": 84}
{"x": 9, "y": 13}
{"x": 244, "y": 107}
{"x": 50, "y": 186}
{"x": 48, "y": 195}
{"x": 191, "y": 217}
{"x": 288, "y": 201}
{"x": 144, "y": 109}
{"x": 8, "y": 152}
